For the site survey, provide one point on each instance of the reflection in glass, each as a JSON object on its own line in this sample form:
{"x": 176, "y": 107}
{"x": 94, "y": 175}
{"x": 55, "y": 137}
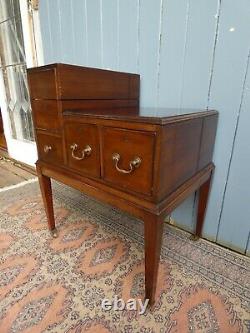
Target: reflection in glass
{"x": 9, "y": 9}
{"x": 13, "y": 66}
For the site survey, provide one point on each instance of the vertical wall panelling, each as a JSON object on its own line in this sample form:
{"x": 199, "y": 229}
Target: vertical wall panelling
{"x": 79, "y": 32}
{"x": 199, "y": 45}
{"x": 226, "y": 91}
{"x": 45, "y": 31}
{"x": 66, "y": 24}
{"x": 183, "y": 215}
{"x": 175, "y": 21}
{"x": 199, "y": 53}
{"x": 110, "y": 34}
{"x": 149, "y": 41}
{"x": 217, "y": 16}
{"x": 128, "y": 35}
{"x": 94, "y": 33}
{"x": 236, "y": 209}
{"x": 55, "y": 29}
{"x": 172, "y": 52}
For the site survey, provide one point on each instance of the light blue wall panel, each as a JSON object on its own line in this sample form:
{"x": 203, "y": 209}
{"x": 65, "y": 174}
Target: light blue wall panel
{"x": 128, "y": 31}
{"x": 110, "y": 34}
{"x": 79, "y": 21}
{"x": 234, "y": 225}
{"x": 94, "y": 42}
{"x": 195, "y": 76}
{"x": 199, "y": 53}
{"x": 149, "y": 47}
{"x": 174, "y": 22}
{"x": 55, "y": 30}
{"x": 44, "y": 15}
{"x": 226, "y": 91}
{"x": 183, "y": 215}
{"x": 175, "y": 17}
{"x": 67, "y": 35}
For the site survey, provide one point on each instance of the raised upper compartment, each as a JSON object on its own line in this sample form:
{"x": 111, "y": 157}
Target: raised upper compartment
{"x": 67, "y": 82}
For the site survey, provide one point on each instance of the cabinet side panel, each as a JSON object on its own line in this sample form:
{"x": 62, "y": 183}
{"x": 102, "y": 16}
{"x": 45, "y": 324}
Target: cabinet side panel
{"x": 207, "y": 140}
{"x": 179, "y": 154}
{"x": 134, "y": 87}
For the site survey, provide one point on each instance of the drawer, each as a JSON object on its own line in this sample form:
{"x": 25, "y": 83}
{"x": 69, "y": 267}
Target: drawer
{"x": 42, "y": 84}
{"x": 49, "y": 148}
{"x": 128, "y": 158}
{"x": 82, "y": 147}
{"x": 45, "y": 114}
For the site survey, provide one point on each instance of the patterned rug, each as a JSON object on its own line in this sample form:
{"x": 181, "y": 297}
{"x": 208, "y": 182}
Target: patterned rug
{"x": 57, "y": 285}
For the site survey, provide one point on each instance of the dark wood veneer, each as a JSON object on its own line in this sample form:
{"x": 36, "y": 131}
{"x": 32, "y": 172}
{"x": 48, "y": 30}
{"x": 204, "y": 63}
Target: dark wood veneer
{"x": 45, "y": 115}
{"x": 129, "y": 144}
{"x": 83, "y": 135}
{"x": 67, "y": 82}
{"x": 84, "y": 116}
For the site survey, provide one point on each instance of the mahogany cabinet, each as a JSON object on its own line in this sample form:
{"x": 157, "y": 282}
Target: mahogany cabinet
{"x": 92, "y": 135}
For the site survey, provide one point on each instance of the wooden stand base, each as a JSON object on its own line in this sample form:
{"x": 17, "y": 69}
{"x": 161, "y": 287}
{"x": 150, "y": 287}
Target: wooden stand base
{"x": 153, "y": 221}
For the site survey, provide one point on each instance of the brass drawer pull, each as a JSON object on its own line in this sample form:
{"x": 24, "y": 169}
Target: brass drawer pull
{"x": 134, "y": 164}
{"x": 46, "y": 149}
{"x": 85, "y": 152}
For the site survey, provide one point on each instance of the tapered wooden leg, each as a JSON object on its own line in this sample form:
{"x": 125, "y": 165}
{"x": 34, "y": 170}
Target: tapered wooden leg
{"x": 202, "y": 205}
{"x": 153, "y": 229}
{"x": 45, "y": 186}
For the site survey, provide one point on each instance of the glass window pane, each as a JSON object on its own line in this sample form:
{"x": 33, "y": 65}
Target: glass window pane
{"x": 11, "y": 42}
{"x": 9, "y": 8}
{"x": 15, "y": 78}
{"x": 12, "y": 60}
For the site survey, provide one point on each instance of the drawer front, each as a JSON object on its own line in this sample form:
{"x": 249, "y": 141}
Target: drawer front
{"x": 49, "y": 148}
{"x": 42, "y": 84}
{"x": 82, "y": 146}
{"x": 45, "y": 114}
{"x": 128, "y": 159}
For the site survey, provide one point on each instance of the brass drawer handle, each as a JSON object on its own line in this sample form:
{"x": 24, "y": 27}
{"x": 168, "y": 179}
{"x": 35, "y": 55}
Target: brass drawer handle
{"x": 134, "y": 164}
{"x": 85, "y": 152}
{"x": 46, "y": 149}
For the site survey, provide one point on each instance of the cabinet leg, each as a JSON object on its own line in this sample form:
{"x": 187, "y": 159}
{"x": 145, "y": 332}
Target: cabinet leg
{"x": 46, "y": 190}
{"x": 153, "y": 230}
{"x": 202, "y": 205}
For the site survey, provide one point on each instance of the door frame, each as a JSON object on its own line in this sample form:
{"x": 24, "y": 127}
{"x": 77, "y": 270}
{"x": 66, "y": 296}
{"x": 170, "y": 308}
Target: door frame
{"x": 23, "y": 151}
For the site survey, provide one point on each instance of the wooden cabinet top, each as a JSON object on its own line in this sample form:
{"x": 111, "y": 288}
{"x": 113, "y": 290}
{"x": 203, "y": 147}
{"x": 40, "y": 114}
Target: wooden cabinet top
{"x": 63, "y": 66}
{"x": 157, "y": 116}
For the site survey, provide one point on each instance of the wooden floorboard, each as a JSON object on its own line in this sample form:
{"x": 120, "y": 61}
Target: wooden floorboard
{"x": 16, "y": 170}
{"x": 12, "y": 174}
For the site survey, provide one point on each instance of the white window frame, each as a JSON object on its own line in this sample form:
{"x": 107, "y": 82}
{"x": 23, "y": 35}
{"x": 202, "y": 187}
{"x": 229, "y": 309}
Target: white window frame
{"x": 24, "y": 151}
